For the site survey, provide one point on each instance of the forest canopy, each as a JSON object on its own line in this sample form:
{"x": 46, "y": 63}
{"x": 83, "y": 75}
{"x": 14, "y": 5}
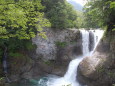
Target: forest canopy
{"x": 99, "y": 13}
{"x": 21, "y": 19}
{"x": 60, "y": 13}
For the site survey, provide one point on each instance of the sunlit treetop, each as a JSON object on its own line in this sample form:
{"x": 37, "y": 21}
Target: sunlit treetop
{"x": 100, "y": 12}
{"x": 21, "y": 19}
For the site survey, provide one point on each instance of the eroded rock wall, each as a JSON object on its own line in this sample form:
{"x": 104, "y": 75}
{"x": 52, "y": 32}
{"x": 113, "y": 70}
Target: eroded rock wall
{"x": 58, "y": 49}
{"x": 48, "y": 48}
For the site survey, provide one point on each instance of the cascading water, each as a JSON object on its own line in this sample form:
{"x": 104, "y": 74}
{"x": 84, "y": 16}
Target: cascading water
{"x": 70, "y": 78}
{"x": 85, "y": 41}
{"x": 72, "y": 70}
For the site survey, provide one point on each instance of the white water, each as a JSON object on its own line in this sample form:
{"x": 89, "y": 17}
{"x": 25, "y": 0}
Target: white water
{"x": 70, "y": 77}
{"x": 85, "y": 41}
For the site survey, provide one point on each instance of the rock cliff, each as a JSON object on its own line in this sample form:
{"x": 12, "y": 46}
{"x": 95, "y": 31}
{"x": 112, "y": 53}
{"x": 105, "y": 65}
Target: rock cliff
{"x": 99, "y": 69}
{"x": 58, "y": 49}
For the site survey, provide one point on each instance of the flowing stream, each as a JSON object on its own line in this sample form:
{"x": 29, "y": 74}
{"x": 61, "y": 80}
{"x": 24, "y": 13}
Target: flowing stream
{"x": 70, "y": 77}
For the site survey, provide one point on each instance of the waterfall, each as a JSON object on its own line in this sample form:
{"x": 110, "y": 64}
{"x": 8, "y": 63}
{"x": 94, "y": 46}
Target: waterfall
{"x": 72, "y": 69}
{"x": 85, "y": 41}
{"x": 70, "y": 77}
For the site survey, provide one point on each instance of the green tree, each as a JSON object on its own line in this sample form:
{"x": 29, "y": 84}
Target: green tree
{"x": 101, "y": 13}
{"x": 80, "y": 19}
{"x": 60, "y": 13}
{"x": 21, "y": 19}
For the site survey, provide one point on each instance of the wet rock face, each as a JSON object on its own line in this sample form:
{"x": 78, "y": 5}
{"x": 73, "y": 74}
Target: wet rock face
{"x": 91, "y": 41}
{"x": 99, "y": 69}
{"x": 78, "y": 46}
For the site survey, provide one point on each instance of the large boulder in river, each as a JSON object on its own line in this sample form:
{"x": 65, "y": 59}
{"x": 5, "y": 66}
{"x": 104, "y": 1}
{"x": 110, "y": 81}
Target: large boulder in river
{"x": 99, "y": 69}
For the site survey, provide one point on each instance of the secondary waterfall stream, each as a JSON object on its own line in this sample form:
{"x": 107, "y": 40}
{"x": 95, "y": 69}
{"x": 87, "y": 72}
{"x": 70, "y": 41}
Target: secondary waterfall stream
{"x": 70, "y": 77}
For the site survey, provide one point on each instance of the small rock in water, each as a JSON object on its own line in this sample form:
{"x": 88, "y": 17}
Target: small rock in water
{"x": 43, "y": 81}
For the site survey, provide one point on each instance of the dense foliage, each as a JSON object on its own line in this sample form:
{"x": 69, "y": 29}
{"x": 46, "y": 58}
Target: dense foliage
{"x": 99, "y": 13}
{"x": 80, "y": 19}
{"x": 21, "y": 19}
{"x": 60, "y": 13}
